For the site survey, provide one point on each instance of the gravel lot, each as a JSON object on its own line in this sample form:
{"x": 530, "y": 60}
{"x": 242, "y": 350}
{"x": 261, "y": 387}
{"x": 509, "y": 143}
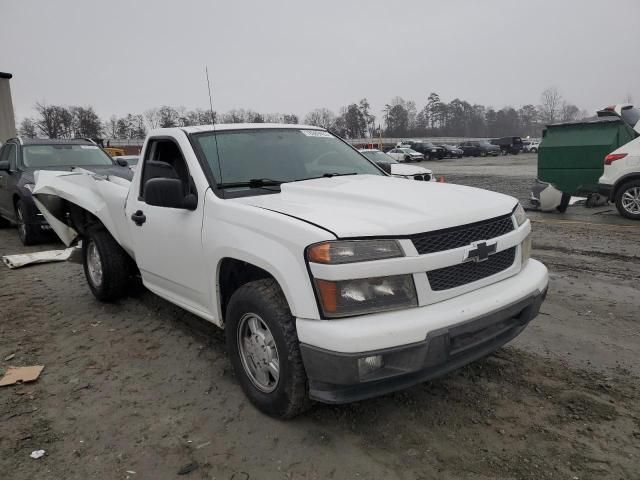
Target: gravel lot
{"x": 141, "y": 389}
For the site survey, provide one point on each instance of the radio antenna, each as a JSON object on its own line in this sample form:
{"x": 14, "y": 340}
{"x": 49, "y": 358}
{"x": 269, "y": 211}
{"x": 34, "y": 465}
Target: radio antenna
{"x": 213, "y": 122}
{"x": 213, "y": 117}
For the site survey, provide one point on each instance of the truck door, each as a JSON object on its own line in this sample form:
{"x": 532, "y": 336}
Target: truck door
{"x": 167, "y": 241}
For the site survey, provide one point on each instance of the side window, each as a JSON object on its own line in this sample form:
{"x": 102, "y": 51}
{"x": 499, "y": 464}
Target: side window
{"x": 164, "y": 159}
{"x": 8, "y": 154}
{"x": 13, "y": 157}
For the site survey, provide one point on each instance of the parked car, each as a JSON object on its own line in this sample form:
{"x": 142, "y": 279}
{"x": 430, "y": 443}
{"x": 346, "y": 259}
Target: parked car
{"x": 333, "y": 282}
{"x": 508, "y": 145}
{"x": 392, "y": 167}
{"x": 452, "y": 151}
{"x": 429, "y": 150}
{"x": 479, "y": 148}
{"x": 530, "y": 146}
{"x": 405, "y": 154}
{"x": 21, "y": 157}
{"x": 620, "y": 182}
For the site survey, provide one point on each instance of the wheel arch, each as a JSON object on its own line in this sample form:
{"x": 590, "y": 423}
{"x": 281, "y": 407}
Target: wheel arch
{"x": 621, "y": 181}
{"x": 232, "y": 273}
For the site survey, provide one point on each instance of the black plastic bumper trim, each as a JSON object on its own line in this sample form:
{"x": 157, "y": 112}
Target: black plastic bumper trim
{"x": 334, "y": 377}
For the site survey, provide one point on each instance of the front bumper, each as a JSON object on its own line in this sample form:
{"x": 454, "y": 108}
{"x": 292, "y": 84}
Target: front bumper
{"x": 417, "y": 344}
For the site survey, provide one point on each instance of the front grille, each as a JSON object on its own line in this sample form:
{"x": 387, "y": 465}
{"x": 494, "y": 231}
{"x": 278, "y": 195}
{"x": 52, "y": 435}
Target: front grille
{"x": 463, "y": 273}
{"x": 457, "y": 237}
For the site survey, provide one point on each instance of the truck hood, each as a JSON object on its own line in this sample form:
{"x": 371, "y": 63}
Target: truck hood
{"x": 369, "y": 205}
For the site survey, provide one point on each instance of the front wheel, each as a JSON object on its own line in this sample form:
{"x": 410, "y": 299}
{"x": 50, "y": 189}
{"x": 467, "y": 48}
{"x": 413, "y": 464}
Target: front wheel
{"x": 106, "y": 265}
{"x": 27, "y": 232}
{"x": 628, "y": 200}
{"x": 262, "y": 342}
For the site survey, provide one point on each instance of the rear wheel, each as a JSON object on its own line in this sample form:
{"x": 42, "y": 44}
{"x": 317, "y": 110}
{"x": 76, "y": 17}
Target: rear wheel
{"x": 628, "y": 200}
{"x": 407, "y": 158}
{"x": 27, "y": 232}
{"x": 265, "y": 351}
{"x": 106, "y": 265}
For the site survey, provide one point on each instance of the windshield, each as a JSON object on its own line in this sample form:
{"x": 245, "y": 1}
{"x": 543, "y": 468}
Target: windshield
{"x": 35, "y": 156}
{"x": 379, "y": 157}
{"x": 279, "y": 154}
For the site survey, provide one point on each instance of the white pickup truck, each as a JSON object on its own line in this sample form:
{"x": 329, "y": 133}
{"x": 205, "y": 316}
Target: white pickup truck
{"x": 333, "y": 281}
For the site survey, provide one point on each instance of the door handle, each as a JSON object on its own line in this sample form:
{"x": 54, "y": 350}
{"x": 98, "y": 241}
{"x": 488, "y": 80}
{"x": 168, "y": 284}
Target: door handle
{"x": 139, "y": 218}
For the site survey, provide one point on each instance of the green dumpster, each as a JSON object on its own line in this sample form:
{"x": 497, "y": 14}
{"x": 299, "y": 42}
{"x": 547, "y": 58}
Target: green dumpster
{"x": 571, "y": 155}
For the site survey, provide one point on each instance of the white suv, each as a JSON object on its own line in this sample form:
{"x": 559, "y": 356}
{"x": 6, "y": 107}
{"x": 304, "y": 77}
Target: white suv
{"x": 620, "y": 182}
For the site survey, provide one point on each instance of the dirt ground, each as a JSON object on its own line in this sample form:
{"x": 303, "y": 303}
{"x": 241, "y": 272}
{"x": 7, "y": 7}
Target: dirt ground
{"x": 141, "y": 389}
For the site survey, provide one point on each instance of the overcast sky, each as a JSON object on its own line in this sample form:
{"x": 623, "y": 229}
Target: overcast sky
{"x": 293, "y": 56}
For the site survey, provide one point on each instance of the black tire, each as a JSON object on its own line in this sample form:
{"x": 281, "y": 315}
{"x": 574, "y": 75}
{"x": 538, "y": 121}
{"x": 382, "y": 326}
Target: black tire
{"x": 483, "y": 154}
{"x": 534, "y": 150}
{"x": 4, "y": 223}
{"x": 27, "y": 233}
{"x": 407, "y": 159}
{"x": 114, "y": 263}
{"x": 620, "y": 192}
{"x": 264, "y": 298}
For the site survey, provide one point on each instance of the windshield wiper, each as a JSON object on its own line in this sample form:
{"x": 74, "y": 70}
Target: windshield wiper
{"x": 328, "y": 175}
{"x": 253, "y": 183}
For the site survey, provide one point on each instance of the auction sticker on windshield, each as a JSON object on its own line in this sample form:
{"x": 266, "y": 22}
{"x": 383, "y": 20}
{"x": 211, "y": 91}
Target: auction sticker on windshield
{"x": 317, "y": 133}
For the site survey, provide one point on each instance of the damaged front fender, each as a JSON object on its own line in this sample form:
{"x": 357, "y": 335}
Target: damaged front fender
{"x": 102, "y": 196}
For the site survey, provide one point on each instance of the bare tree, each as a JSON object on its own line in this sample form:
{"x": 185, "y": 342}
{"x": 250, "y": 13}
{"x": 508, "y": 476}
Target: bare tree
{"x": 569, "y": 112}
{"x": 152, "y": 117}
{"x": 321, "y": 117}
{"x": 550, "y": 105}
{"x": 52, "y": 121}
{"x": 28, "y": 128}
{"x": 111, "y": 127}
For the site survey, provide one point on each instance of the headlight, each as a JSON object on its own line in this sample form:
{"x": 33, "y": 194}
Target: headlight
{"x": 434, "y": 150}
{"x": 29, "y": 186}
{"x": 350, "y": 251}
{"x": 345, "y": 298}
{"x": 525, "y": 250}
{"x": 520, "y": 215}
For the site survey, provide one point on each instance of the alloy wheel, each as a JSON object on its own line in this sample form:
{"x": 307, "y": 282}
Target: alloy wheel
{"x": 258, "y": 352}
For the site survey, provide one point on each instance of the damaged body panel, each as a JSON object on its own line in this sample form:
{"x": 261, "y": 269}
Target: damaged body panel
{"x": 101, "y": 196}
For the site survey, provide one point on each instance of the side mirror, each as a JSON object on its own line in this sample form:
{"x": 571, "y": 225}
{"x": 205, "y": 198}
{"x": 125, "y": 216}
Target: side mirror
{"x": 4, "y": 166}
{"x": 122, "y": 162}
{"x": 190, "y": 202}
{"x": 168, "y": 192}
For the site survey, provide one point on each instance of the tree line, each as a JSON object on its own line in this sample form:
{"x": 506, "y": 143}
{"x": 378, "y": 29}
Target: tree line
{"x": 401, "y": 118}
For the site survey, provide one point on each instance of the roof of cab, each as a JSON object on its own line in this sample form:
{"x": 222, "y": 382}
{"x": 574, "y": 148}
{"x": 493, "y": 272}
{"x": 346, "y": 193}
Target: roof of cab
{"x": 247, "y": 126}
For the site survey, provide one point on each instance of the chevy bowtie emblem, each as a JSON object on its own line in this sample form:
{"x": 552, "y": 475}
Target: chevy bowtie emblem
{"x": 480, "y": 252}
